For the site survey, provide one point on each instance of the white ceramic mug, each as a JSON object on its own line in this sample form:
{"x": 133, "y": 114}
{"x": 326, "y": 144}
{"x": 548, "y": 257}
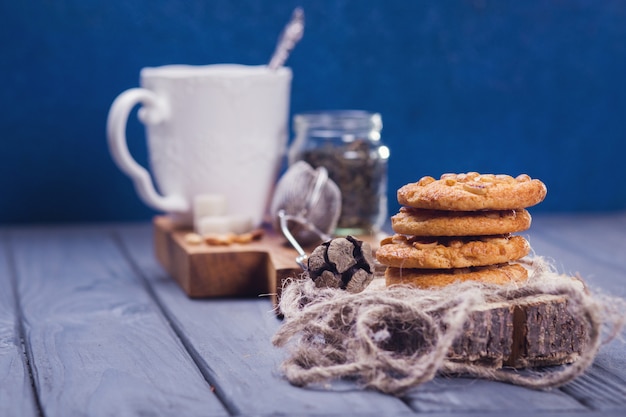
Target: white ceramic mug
{"x": 213, "y": 129}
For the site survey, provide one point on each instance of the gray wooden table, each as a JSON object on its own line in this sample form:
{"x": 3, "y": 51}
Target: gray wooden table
{"x": 91, "y": 325}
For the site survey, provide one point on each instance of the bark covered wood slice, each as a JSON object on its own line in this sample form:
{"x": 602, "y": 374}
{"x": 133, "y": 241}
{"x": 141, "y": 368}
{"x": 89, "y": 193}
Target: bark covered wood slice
{"x": 546, "y": 333}
{"x": 527, "y": 332}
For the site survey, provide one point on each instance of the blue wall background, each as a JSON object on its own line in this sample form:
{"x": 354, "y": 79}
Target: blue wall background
{"x": 493, "y": 86}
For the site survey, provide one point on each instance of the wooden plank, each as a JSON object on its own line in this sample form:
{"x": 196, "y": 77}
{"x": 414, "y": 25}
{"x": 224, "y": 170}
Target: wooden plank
{"x": 592, "y": 246}
{"x": 599, "y": 389}
{"x": 16, "y": 392}
{"x": 231, "y": 340}
{"x": 97, "y": 341}
{"x": 599, "y": 239}
{"x": 577, "y": 248}
{"x": 246, "y": 365}
{"x": 476, "y": 395}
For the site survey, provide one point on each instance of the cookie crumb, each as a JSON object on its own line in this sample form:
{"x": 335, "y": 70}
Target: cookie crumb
{"x": 193, "y": 239}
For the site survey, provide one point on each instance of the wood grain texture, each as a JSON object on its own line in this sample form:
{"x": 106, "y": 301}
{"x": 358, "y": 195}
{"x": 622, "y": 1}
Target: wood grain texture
{"x": 546, "y": 333}
{"x": 230, "y": 339}
{"x": 592, "y": 246}
{"x": 16, "y": 392}
{"x": 599, "y": 389}
{"x": 236, "y": 270}
{"x": 98, "y": 344}
{"x": 463, "y": 395}
{"x": 530, "y": 331}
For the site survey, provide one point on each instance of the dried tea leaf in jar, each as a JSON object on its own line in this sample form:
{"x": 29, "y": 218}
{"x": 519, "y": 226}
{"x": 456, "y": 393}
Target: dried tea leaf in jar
{"x": 347, "y": 143}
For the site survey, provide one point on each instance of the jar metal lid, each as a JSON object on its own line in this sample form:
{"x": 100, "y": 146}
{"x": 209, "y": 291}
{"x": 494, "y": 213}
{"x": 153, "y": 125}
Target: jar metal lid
{"x": 338, "y": 121}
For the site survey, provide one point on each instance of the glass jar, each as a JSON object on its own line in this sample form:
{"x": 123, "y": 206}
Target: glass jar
{"x": 347, "y": 143}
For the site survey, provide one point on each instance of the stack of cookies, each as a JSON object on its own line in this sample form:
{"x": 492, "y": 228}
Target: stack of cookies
{"x": 459, "y": 228}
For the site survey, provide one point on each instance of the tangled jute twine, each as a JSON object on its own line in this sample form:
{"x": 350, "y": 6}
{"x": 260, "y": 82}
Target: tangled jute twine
{"x": 332, "y": 334}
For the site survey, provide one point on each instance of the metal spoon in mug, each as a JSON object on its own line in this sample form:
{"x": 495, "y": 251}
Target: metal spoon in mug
{"x": 289, "y": 37}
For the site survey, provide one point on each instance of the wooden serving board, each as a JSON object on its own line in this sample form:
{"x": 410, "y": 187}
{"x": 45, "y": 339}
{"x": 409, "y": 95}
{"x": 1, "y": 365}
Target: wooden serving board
{"x": 235, "y": 270}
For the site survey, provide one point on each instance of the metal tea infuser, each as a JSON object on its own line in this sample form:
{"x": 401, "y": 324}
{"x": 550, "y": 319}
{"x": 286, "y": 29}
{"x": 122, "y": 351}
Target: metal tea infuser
{"x": 305, "y": 207}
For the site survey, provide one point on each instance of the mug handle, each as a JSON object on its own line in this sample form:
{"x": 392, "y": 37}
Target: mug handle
{"x": 155, "y": 111}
